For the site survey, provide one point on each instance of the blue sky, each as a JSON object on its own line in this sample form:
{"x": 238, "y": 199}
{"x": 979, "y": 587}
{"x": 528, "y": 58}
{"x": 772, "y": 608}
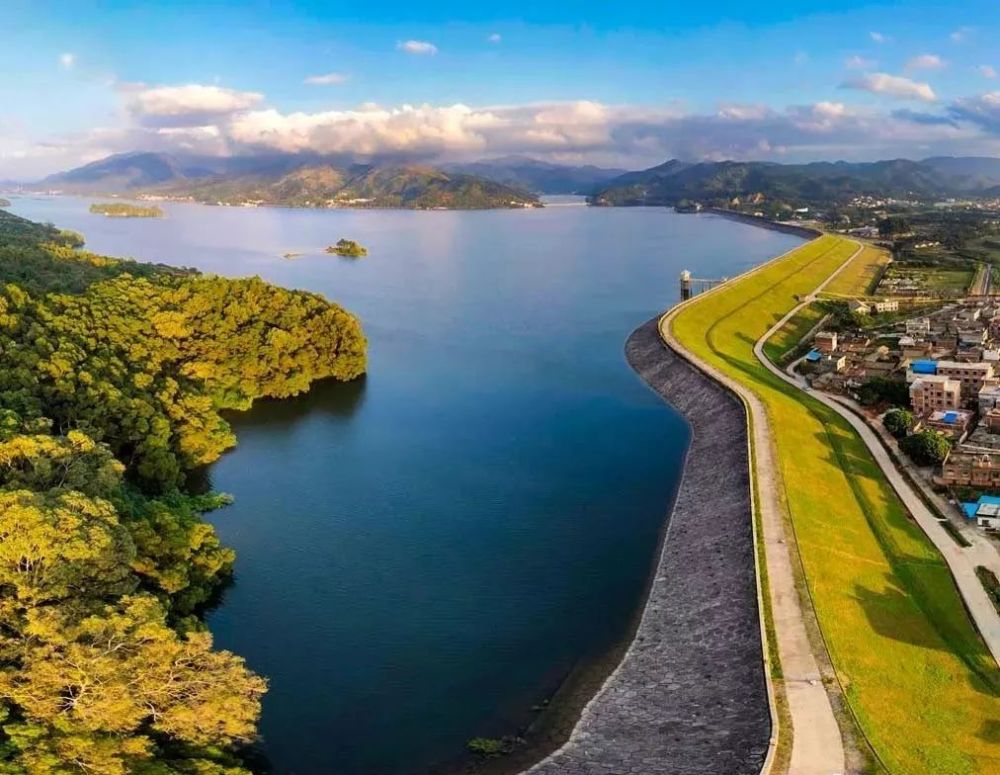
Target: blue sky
{"x": 608, "y": 82}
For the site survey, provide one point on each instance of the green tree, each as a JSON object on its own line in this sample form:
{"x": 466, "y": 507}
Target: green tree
{"x": 898, "y": 422}
{"x": 120, "y": 676}
{"x": 926, "y": 448}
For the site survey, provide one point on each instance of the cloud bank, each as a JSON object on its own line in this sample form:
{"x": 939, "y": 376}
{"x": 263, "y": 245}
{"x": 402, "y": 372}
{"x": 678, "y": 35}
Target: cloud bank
{"x": 214, "y": 120}
{"x": 190, "y": 105}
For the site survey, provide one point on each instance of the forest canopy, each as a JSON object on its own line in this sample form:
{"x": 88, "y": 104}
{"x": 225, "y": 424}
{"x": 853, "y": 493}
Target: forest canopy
{"x": 114, "y": 376}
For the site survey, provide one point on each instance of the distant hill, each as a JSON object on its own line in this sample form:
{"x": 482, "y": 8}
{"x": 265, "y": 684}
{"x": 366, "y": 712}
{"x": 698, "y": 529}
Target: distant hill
{"x": 817, "y": 183}
{"x": 123, "y": 172}
{"x": 288, "y": 180}
{"x": 324, "y": 185}
{"x": 538, "y": 176}
{"x": 970, "y": 173}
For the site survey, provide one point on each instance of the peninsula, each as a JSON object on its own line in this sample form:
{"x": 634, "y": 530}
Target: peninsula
{"x": 103, "y": 542}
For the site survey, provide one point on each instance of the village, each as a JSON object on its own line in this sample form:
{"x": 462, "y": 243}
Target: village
{"x": 939, "y": 370}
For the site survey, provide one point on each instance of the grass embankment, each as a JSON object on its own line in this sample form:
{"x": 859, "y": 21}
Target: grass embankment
{"x": 786, "y": 340}
{"x": 915, "y": 673}
{"x": 861, "y": 275}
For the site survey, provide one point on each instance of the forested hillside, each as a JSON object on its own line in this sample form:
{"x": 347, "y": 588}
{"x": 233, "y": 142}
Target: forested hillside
{"x": 113, "y": 377}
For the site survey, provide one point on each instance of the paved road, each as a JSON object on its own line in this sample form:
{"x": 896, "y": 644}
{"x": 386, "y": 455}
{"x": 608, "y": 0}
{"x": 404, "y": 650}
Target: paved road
{"x": 961, "y": 560}
{"x": 817, "y": 746}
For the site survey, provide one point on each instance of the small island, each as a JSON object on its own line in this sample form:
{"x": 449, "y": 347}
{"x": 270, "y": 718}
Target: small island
{"x": 4, "y": 202}
{"x": 348, "y": 248}
{"x": 124, "y": 210}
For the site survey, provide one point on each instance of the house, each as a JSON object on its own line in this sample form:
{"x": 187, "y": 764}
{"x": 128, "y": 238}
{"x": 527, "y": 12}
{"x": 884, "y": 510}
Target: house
{"x": 935, "y": 393}
{"x": 971, "y": 336}
{"x": 918, "y": 327}
{"x": 971, "y": 469}
{"x": 859, "y": 307}
{"x": 854, "y": 344}
{"x": 971, "y": 375}
{"x": 954, "y": 424}
{"x": 989, "y": 395}
{"x": 991, "y": 421}
{"x": 813, "y": 357}
{"x": 912, "y": 349}
{"x": 825, "y": 341}
{"x": 886, "y": 305}
{"x": 833, "y": 362}
{"x": 920, "y": 368}
{"x": 986, "y": 512}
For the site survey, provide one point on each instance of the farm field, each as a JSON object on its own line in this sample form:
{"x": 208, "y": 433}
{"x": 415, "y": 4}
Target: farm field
{"x": 928, "y": 280}
{"x": 916, "y": 675}
{"x": 859, "y": 278}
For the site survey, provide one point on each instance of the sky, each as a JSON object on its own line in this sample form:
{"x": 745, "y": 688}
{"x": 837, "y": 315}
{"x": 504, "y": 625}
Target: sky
{"x": 623, "y": 84}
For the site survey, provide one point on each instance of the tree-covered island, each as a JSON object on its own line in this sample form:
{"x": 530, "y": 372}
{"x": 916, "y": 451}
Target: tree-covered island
{"x": 348, "y": 248}
{"x": 126, "y": 210}
{"x": 114, "y": 376}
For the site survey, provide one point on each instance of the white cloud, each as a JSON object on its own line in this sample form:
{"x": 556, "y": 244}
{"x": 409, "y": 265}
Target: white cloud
{"x": 895, "y": 86}
{"x": 926, "y": 62}
{"x": 494, "y": 38}
{"x": 330, "y": 79}
{"x": 801, "y": 57}
{"x": 67, "y": 60}
{"x": 878, "y": 37}
{"x": 858, "y": 63}
{"x": 189, "y": 105}
{"x": 419, "y": 47}
{"x": 961, "y": 34}
{"x": 987, "y": 71}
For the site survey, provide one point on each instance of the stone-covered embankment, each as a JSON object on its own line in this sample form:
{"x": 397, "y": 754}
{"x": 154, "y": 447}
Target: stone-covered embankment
{"x": 689, "y": 697}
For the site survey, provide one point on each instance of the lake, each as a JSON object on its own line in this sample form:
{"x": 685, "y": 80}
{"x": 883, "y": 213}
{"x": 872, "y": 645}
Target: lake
{"x": 425, "y": 554}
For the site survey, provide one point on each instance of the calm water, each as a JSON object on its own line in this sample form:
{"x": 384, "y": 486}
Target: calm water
{"x": 424, "y": 554}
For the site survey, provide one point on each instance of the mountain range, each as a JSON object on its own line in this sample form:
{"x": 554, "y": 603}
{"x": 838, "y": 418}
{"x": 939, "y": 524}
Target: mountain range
{"x": 289, "y": 180}
{"x": 816, "y": 183}
{"x": 516, "y": 181}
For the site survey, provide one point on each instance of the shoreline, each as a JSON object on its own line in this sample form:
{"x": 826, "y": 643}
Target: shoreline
{"x": 685, "y": 689}
{"x": 806, "y": 232}
{"x": 689, "y": 694}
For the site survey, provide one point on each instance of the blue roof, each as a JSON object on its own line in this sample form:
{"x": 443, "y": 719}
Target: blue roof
{"x": 951, "y": 416}
{"x": 970, "y": 509}
{"x": 813, "y": 356}
{"x": 924, "y": 367}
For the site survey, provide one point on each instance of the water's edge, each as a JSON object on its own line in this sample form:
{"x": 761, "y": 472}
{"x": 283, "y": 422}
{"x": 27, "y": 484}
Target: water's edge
{"x": 689, "y": 694}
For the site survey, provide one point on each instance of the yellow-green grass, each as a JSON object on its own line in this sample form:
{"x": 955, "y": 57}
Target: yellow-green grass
{"x": 859, "y": 277}
{"x": 915, "y": 673}
{"x": 787, "y": 338}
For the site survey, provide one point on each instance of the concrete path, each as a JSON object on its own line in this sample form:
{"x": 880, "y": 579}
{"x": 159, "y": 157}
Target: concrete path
{"x": 817, "y": 746}
{"x": 961, "y": 560}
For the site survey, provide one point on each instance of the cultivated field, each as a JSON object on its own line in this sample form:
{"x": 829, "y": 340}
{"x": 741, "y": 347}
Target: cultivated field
{"x": 859, "y": 278}
{"x": 915, "y": 673}
{"x": 947, "y": 280}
